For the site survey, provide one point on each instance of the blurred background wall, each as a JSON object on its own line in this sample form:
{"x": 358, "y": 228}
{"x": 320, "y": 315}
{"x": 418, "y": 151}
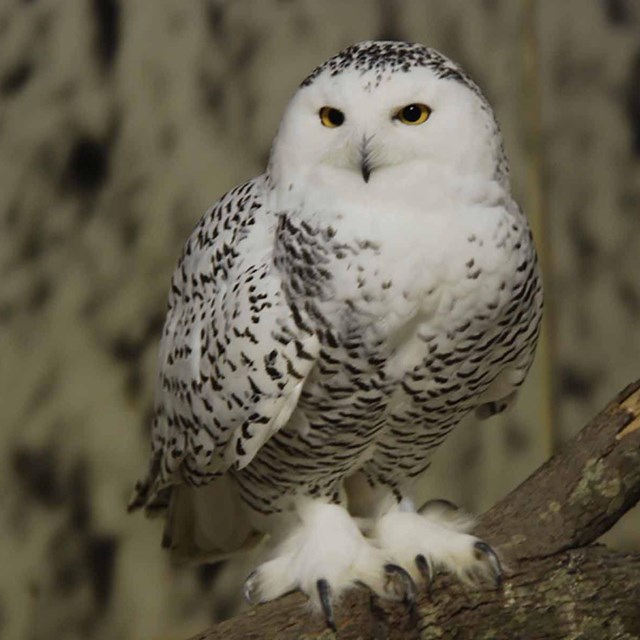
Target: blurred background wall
{"x": 122, "y": 120}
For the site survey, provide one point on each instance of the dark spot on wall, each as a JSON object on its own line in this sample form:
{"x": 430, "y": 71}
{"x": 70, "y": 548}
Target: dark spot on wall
{"x": 470, "y": 456}
{"x": 515, "y": 437}
{"x": 225, "y": 604}
{"x": 617, "y": 11}
{"x": 134, "y": 383}
{"x": 214, "y": 94}
{"x": 42, "y": 27}
{"x": 215, "y": 18}
{"x": 40, "y": 295}
{"x": 207, "y": 573}
{"x": 246, "y": 53}
{"x": 16, "y": 79}
{"x": 154, "y": 326}
{"x": 67, "y": 575}
{"x": 126, "y": 349}
{"x": 93, "y": 304}
{"x": 129, "y": 231}
{"x": 36, "y": 473}
{"x": 43, "y": 391}
{"x": 101, "y": 554}
{"x": 77, "y": 490}
{"x": 87, "y": 165}
{"x": 633, "y": 104}
{"x": 585, "y": 246}
{"x": 32, "y": 245}
{"x": 147, "y": 420}
{"x": 629, "y": 297}
{"x": 576, "y": 384}
{"x": 129, "y": 349}
{"x": 107, "y": 17}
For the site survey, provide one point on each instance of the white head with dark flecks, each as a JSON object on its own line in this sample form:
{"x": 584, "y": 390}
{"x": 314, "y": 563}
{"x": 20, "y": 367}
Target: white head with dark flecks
{"x": 387, "y": 115}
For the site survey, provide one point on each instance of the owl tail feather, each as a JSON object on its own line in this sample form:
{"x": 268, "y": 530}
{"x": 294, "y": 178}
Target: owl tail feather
{"x": 207, "y": 523}
{"x": 148, "y": 492}
{"x": 204, "y": 523}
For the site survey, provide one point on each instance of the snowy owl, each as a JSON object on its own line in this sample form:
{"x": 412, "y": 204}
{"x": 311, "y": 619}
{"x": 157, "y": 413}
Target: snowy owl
{"x": 330, "y": 322}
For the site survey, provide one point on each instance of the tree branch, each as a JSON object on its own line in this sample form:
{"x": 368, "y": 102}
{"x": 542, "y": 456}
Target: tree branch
{"x": 580, "y": 493}
{"x": 556, "y": 587}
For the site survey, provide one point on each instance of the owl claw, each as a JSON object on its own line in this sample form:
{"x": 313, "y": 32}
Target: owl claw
{"x": 404, "y": 587}
{"x": 324, "y": 593}
{"x": 250, "y": 588}
{"x": 425, "y": 570}
{"x": 483, "y": 551}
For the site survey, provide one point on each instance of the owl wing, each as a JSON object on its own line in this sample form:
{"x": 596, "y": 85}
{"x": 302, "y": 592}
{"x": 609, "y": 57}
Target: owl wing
{"x": 233, "y": 359}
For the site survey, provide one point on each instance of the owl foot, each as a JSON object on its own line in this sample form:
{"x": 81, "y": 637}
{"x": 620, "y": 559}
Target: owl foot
{"x": 322, "y": 557}
{"x": 398, "y": 582}
{"x": 405, "y": 589}
{"x": 436, "y": 538}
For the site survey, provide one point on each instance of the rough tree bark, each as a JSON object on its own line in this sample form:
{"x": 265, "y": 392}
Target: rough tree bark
{"x": 558, "y": 583}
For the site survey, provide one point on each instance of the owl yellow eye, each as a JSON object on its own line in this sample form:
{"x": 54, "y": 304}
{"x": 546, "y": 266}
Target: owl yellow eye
{"x": 331, "y": 117}
{"x": 413, "y": 114}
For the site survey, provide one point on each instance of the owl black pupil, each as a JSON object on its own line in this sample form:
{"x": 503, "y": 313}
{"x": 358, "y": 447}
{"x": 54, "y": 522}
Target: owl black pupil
{"x": 335, "y": 117}
{"x": 412, "y": 113}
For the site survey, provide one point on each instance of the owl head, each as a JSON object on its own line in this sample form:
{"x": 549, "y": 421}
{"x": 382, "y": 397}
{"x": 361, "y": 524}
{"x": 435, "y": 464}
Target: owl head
{"x": 382, "y": 115}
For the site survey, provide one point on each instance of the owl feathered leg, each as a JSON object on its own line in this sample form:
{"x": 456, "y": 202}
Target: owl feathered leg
{"x": 322, "y": 555}
{"x": 432, "y": 538}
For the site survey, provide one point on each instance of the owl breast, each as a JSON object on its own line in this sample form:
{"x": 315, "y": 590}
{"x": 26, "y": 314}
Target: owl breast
{"x": 412, "y": 338}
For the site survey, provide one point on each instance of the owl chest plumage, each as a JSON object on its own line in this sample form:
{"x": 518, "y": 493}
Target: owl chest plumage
{"x": 410, "y": 340}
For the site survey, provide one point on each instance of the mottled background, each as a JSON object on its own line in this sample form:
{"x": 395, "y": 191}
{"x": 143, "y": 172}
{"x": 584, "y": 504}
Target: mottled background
{"x": 122, "y": 120}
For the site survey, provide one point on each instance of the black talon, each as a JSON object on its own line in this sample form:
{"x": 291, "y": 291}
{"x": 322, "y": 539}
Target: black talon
{"x": 409, "y": 587}
{"x": 248, "y": 589}
{"x": 483, "y": 548}
{"x": 407, "y": 581}
{"x": 410, "y": 590}
{"x": 425, "y": 570}
{"x": 324, "y": 591}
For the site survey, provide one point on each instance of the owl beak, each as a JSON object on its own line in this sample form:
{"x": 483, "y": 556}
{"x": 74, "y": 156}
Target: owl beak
{"x": 366, "y": 163}
{"x": 365, "y": 169}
